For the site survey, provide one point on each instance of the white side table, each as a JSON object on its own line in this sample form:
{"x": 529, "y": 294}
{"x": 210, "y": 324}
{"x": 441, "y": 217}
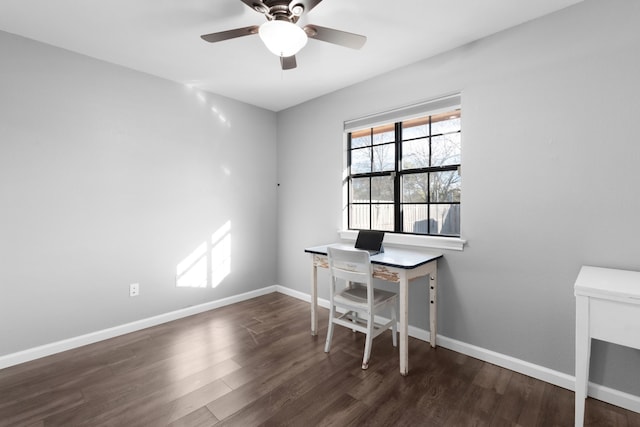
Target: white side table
{"x": 608, "y": 309}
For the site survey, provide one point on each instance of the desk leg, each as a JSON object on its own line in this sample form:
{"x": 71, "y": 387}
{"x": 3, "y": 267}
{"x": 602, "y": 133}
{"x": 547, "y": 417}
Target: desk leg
{"x": 403, "y": 318}
{"x": 314, "y": 297}
{"x": 433, "y": 307}
{"x": 583, "y": 353}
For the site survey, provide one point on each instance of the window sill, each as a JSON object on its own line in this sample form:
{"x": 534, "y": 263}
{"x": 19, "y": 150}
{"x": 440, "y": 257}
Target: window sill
{"x": 433, "y": 242}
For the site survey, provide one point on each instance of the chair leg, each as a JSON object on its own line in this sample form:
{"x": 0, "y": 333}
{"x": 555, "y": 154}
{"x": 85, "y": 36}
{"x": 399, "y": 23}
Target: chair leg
{"x": 354, "y": 319}
{"x": 327, "y": 344}
{"x": 368, "y": 342}
{"x": 394, "y": 325}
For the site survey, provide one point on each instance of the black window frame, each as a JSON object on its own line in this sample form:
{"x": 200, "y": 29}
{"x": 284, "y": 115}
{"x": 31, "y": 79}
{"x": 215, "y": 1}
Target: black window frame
{"x": 398, "y": 174}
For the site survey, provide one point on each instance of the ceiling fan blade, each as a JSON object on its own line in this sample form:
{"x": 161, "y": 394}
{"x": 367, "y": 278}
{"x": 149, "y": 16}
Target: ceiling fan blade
{"x": 288, "y": 62}
{"x": 329, "y": 35}
{"x": 230, "y": 34}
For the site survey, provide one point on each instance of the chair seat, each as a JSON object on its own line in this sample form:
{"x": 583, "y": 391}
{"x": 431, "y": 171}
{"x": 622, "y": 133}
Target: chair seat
{"x": 357, "y": 295}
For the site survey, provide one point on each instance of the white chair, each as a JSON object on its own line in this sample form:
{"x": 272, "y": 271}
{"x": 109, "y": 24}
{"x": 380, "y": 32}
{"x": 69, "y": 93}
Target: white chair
{"x": 358, "y": 297}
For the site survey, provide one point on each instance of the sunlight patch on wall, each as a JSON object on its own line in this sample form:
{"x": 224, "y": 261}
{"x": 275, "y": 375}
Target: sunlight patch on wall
{"x": 209, "y": 263}
{"x": 202, "y": 97}
{"x": 221, "y": 254}
{"x": 191, "y": 272}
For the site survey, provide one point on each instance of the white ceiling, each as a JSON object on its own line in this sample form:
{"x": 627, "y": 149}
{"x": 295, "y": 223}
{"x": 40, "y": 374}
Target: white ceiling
{"x": 162, "y": 37}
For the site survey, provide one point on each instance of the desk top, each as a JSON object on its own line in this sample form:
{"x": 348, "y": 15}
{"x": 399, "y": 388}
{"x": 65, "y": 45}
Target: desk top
{"x": 392, "y": 257}
{"x": 608, "y": 283}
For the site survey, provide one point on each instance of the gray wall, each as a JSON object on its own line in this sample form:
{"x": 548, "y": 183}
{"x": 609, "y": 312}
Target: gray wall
{"x": 109, "y": 177}
{"x": 549, "y": 175}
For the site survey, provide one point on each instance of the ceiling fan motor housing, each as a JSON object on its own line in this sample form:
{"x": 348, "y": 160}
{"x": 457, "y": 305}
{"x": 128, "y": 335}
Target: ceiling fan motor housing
{"x": 280, "y": 10}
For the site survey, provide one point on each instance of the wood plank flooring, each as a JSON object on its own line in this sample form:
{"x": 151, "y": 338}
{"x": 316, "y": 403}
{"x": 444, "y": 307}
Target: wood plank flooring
{"x": 255, "y": 363}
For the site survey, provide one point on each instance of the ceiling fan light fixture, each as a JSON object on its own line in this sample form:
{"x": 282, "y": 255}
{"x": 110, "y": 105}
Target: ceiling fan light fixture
{"x": 282, "y": 38}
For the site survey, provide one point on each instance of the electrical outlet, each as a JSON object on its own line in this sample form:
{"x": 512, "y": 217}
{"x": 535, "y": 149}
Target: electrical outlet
{"x": 134, "y": 289}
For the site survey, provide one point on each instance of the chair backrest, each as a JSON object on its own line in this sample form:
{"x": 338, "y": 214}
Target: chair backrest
{"x": 353, "y": 265}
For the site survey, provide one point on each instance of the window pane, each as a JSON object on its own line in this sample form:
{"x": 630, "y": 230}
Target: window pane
{"x": 445, "y": 186}
{"x": 382, "y": 189}
{"x": 361, "y": 138}
{"x": 383, "y": 134}
{"x": 415, "y": 154}
{"x": 415, "y": 219}
{"x": 445, "y": 150}
{"x": 382, "y": 217}
{"x": 416, "y": 128}
{"x": 384, "y": 158}
{"x": 359, "y": 190}
{"x": 415, "y": 187}
{"x": 361, "y": 160}
{"x": 445, "y": 122}
{"x": 359, "y": 217}
{"x": 447, "y": 218}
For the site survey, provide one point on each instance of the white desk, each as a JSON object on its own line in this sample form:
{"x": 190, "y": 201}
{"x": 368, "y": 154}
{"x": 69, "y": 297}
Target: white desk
{"x": 608, "y": 309}
{"x": 394, "y": 265}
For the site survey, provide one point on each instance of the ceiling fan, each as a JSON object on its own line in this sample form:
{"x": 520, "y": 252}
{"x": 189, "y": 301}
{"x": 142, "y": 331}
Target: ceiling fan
{"x": 282, "y": 35}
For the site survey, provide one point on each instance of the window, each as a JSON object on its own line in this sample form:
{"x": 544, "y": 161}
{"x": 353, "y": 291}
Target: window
{"x": 404, "y": 176}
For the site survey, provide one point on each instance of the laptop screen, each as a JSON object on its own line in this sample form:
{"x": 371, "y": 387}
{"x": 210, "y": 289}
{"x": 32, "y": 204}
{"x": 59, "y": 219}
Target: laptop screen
{"x": 370, "y": 240}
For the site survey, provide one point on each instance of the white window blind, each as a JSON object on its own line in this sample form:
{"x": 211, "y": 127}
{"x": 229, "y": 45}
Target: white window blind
{"x": 404, "y": 113}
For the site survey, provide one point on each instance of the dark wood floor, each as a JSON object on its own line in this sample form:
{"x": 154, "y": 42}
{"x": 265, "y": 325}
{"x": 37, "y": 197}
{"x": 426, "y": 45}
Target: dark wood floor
{"x": 255, "y": 363}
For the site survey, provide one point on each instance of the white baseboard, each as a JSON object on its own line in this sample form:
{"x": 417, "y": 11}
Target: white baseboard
{"x": 296, "y": 294}
{"x": 614, "y": 397}
{"x": 536, "y": 371}
{"x": 597, "y": 391}
{"x": 75, "y": 342}
{"x": 600, "y": 392}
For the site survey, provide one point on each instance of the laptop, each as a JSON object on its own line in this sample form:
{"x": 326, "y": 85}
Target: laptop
{"x": 371, "y": 241}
